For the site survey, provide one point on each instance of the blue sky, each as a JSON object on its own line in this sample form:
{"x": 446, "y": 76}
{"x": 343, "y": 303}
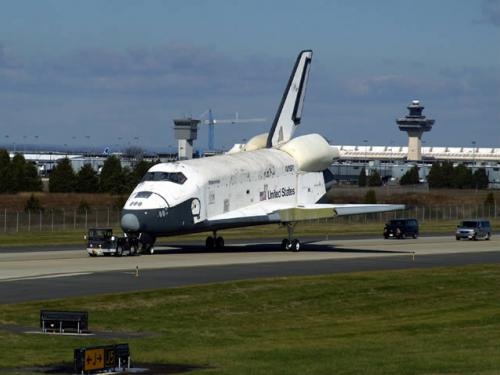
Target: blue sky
{"x": 119, "y": 71}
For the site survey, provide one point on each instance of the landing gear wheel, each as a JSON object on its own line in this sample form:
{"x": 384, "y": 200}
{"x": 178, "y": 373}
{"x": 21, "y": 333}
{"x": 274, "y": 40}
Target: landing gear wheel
{"x": 457, "y": 238}
{"x": 219, "y": 242}
{"x": 145, "y": 249}
{"x": 133, "y": 250}
{"x": 209, "y": 243}
{"x": 285, "y": 244}
{"x": 288, "y": 243}
{"x": 295, "y": 245}
{"x": 151, "y": 250}
{"x": 119, "y": 251}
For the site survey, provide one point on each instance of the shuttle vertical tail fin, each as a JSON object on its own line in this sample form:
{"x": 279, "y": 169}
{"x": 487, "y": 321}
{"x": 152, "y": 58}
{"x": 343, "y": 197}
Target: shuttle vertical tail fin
{"x": 290, "y": 110}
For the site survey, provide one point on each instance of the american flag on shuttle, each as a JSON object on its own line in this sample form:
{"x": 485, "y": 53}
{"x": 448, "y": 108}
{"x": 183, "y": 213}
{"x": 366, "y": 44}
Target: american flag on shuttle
{"x": 263, "y": 195}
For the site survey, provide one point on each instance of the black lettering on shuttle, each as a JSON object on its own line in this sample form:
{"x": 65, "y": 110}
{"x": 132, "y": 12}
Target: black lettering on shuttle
{"x": 280, "y": 193}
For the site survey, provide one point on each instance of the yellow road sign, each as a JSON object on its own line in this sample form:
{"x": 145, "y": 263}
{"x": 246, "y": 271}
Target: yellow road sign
{"x": 94, "y": 359}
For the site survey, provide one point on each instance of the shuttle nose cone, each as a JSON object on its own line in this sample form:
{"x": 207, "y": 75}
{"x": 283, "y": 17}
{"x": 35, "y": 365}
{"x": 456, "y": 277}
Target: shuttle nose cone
{"x": 130, "y": 223}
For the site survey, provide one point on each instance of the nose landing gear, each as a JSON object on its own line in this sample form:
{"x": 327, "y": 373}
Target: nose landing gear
{"x": 214, "y": 242}
{"x": 147, "y": 243}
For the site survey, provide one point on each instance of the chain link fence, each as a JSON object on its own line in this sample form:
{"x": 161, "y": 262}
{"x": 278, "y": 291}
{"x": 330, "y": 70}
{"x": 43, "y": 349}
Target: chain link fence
{"x": 427, "y": 214}
{"x": 57, "y": 220}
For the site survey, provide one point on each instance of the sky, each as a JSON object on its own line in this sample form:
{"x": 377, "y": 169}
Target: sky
{"x": 116, "y": 72}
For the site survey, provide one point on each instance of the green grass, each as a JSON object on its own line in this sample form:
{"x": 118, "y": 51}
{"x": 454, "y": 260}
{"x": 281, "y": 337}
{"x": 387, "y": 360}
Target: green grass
{"x": 444, "y": 321}
{"x": 320, "y": 228}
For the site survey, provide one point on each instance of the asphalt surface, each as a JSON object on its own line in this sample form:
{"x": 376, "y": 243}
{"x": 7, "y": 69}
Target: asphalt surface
{"x": 41, "y": 275}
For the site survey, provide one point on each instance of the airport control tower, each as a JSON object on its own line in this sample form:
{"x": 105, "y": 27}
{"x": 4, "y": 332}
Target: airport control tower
{"x": 415, "y": 124}
{"x": 186, "y": 131}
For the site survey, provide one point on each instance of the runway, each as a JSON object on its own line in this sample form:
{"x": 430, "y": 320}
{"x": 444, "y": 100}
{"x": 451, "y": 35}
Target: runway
{"x": 47, "y": 274}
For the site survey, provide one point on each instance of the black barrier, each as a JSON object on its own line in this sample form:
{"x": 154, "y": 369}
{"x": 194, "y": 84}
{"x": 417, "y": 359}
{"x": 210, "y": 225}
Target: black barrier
{"x": 63, "y": 321}
{"x": 99, "y": 358}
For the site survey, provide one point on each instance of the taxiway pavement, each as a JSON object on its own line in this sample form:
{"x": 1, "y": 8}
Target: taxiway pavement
{"x": 47, "y": 274}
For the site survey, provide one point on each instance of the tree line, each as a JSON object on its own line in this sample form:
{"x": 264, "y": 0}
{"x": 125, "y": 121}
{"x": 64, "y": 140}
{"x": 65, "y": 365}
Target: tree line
{"x": 441, "y": 175}
{"x": 113, "y": 178}
{"x": 445, "y": 175}
{"x": 373, "y": 179}
{"x": 18, "y": 174}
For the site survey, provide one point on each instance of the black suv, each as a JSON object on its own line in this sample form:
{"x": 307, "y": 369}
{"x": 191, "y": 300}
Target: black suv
{"x": 401, "y": 228}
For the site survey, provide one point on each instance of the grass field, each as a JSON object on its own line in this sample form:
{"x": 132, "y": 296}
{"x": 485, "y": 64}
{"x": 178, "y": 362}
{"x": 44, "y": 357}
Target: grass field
{"x": 440, "y": 321}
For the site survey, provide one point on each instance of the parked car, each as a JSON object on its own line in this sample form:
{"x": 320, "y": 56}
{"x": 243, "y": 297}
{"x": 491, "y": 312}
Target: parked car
{"x": 473, "y": 230}
{"x": 401, "y": 228}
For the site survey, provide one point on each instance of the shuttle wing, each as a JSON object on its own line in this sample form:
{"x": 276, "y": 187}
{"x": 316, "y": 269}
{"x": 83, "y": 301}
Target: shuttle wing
{"x": 285, "y": 212}
{"x": 323, "y": 211}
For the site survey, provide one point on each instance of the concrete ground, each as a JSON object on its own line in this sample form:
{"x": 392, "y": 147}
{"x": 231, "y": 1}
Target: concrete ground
{"x": 40, "y": 274}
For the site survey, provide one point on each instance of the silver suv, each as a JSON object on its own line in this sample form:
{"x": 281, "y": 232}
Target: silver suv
{"x": 473, "y": 230}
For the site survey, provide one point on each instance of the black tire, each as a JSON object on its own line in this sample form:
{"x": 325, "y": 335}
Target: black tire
{"x": 415, "y": 236}
{"x": 219, "y": 243}
{"x": 288, "y": 244}
{"x": 209, "y": 243}
{"x": 488, "y": 236}
{"x": 457, "y": 238}
{"x": 151, "y": 250}
{"x": 133, "y": 250}
{"x": 474, "y": 237}
{"x": 119, "y": 251}
{"x": 386, "y": 236}
{"x": 284, "y": 244}
{"x": 295, "y": 245}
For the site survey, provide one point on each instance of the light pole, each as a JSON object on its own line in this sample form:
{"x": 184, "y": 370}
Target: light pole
{"x": 365, "y": 162}
{"x": 473, "y": 153}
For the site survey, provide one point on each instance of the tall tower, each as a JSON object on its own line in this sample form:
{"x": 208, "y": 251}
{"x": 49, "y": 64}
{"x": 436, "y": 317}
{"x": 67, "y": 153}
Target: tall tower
{"x": 186, "y": 131}
{"x": 415, "y": 124}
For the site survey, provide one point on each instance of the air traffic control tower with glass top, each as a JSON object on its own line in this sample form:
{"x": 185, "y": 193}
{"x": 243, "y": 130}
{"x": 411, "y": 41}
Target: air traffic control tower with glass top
{"x": 415, "y": 124}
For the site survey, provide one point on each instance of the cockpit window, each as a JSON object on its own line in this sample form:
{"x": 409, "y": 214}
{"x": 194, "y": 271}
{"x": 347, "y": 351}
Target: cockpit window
{"x": 143, "y": 194}
{"x": 175, "y": 177}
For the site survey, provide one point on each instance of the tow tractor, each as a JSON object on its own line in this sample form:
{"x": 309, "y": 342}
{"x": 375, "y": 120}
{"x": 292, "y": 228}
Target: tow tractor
{"x": 101, "y": 241}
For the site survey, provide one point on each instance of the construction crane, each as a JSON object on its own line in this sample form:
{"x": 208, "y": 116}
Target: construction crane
{"x": 211, "y": 122}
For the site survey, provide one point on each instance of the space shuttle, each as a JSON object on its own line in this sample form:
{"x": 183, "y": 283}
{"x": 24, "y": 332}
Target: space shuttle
{"x": 275, "y": 178}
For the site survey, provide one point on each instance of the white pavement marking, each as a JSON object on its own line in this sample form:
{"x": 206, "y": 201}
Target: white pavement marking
{"x": 72, "y": 262}
{"x": 52, "y": 276}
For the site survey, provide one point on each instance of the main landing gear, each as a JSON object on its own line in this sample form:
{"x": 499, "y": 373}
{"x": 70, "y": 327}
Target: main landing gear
{"x": 288, "y": 243}
{"x": 214, "y": 242}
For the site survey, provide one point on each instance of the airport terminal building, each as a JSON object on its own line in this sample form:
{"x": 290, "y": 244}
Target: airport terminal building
{"x": 391, "y": 161}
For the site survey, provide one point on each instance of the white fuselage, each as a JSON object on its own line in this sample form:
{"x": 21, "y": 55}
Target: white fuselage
{"x": 221, "y": 186}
